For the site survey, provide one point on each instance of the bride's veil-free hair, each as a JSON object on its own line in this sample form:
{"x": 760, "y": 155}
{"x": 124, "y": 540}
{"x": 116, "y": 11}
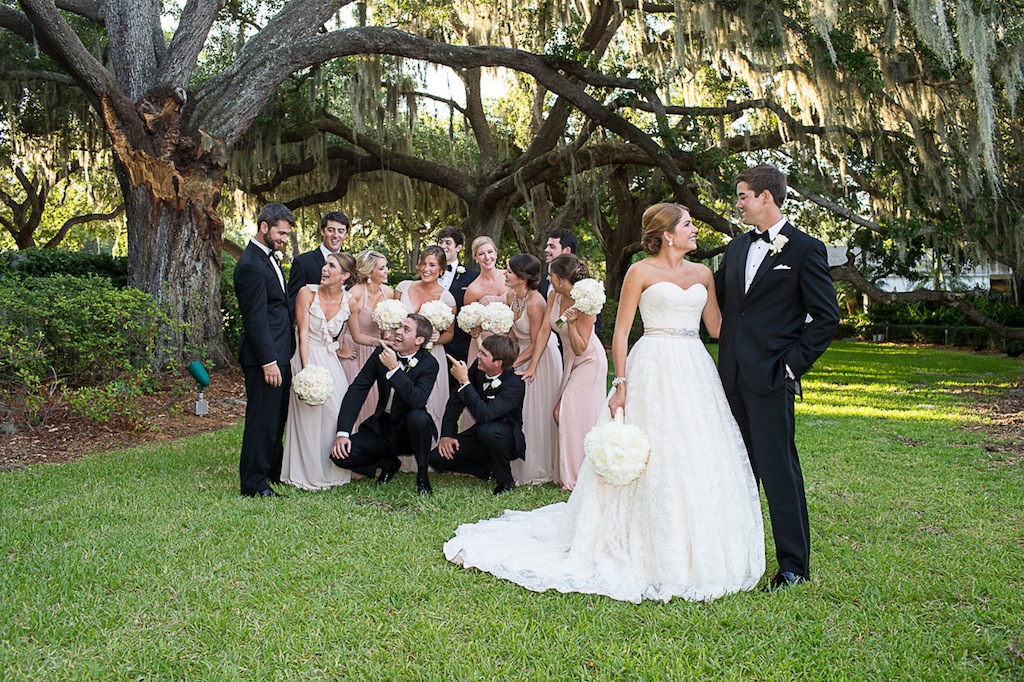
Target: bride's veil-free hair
{"x": 656, "y": 221}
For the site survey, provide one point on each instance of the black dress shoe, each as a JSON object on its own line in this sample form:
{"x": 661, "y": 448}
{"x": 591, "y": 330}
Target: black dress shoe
{"x": 785, "y": 579}
{"x": 387, "y": 473}
{"x": 503, "y": 488}
{"x": 423, "y": 486}
{"x": 266, "y": 492}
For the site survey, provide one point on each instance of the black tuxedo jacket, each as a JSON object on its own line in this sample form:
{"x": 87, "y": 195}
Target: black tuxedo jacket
{"x": 764, "y": 330}
{"x": 266, "y": 316}
{"x": 458, "y": 347}
{"x": 504, "y": 404}
{"x": 306, "y": 269}
{"x": 412, "y": 388}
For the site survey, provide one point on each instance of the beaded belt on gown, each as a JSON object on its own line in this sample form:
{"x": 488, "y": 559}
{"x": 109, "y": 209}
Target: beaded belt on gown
{"x": 671, "y": 331}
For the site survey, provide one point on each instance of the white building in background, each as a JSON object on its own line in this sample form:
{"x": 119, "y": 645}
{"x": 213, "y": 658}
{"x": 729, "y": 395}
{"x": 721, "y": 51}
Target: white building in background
{"x": 993, "y": 277}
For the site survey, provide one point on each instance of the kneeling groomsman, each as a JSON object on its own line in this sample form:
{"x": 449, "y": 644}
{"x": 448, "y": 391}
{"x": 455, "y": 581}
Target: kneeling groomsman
{"x": 404, "y": 373}
{"x": 493, "y": 393}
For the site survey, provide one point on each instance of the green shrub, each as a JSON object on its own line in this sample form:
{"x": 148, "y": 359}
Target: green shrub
{"x": 54, "y": 262}
{"x": 69, "y": 332}
{"x": 229, "y": 303}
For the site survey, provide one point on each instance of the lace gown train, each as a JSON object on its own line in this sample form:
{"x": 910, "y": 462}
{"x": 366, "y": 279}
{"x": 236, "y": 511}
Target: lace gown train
{"x": 690, "y": 526}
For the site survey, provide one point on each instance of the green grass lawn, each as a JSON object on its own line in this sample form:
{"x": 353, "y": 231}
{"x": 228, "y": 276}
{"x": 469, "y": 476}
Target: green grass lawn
{"x": 146, "y": 564}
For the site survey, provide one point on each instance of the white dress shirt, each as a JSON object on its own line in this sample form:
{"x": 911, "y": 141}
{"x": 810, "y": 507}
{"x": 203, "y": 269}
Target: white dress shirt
{"x": 273, "y": 261}
{"x": 448, "y": 275}
{"x": 757, "y": 251}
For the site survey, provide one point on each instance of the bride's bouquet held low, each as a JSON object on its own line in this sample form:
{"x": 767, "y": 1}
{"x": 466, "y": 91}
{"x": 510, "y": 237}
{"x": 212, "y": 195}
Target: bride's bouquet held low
{"x": 440, "y": 316}
{"x": 313, "y": 385}
{"x": 589, "y": 298}
{"x": 617, "y": 452}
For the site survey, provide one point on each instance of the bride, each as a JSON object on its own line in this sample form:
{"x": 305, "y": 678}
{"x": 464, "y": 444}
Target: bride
{"x": 690, "y": 526}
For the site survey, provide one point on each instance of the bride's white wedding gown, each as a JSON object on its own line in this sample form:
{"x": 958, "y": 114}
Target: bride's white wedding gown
{"x": 690, "y": 526}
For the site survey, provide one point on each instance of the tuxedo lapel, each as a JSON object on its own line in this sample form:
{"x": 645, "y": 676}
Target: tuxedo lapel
{"x": 737, "y": 265}
{"x": 769, "y": 260}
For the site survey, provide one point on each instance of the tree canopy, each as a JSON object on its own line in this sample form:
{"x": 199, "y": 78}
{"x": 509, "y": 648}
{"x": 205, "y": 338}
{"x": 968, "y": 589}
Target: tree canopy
{"x": 895, "y": 120}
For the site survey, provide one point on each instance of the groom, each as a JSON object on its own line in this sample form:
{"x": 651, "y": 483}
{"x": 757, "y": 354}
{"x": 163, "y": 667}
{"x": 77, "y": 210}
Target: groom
{"x": 404, "y": 373}
{"x": 770, "y": 281}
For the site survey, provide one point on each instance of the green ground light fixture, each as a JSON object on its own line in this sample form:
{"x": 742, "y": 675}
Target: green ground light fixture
{"x": 202, "y": 378}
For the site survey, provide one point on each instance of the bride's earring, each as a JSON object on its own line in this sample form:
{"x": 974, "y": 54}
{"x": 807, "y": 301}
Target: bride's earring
{"x": 669, "y": 242}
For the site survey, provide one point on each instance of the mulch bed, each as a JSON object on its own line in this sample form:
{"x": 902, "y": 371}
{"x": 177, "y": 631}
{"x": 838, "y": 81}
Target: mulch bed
{"x": 170, "y": 415}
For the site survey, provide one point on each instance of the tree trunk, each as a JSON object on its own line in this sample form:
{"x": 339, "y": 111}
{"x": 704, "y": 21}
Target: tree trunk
{"x": 171, "y": 186}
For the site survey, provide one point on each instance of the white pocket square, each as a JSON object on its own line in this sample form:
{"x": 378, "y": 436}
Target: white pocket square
{"x": 782, "y": 267}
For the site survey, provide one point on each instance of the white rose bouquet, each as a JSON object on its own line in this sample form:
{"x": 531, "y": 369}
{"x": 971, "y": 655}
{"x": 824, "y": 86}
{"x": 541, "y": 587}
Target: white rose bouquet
{"x": 497, "y": 318}
{"x": 617, "y": 452}
{"x": 313, "y": 385}
{"x": 439, "y": 314}
{"x": 471, "y": 316}
{"x": 589, "y": 298}
{"x": 388, "y": 315}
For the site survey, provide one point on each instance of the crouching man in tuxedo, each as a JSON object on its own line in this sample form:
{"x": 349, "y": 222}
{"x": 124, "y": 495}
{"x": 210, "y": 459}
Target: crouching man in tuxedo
{"x": 404, "y": 373}
{"x": 493, "y": 393}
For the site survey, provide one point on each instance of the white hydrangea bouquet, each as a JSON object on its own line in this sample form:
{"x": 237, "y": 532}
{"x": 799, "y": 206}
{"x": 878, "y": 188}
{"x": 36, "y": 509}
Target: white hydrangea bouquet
{"x": 471, "y": 316}
{"x": 313, "y": 385}
{"x": 388, "y": 314}
{"x": 589, "y": 298}
{"x": 440, "y": 316}
{"x": 497, "y": 318}
{"x": 617, "y": 452}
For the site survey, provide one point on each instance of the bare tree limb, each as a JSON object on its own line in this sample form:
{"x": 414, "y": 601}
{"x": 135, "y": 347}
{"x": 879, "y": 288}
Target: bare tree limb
{"x": 78, "y": 220}
{"x": 189, "y": 38}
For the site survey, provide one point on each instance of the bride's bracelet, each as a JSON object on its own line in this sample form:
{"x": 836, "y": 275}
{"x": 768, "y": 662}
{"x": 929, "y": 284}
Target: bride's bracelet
{"x": 618, "y": 381}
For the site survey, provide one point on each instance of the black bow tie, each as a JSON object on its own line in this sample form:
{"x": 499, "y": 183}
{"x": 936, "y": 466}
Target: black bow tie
{"x": 763, "y": 236}
{"x": 451, "y": 268}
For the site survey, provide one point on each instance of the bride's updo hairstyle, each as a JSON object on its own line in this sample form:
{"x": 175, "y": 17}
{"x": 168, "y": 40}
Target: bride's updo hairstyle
{"x": 568, "y": 267}
{"x": 656, "y": 221}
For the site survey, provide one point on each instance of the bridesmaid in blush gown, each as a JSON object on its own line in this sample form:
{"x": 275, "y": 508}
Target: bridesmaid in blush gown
{"x": 690, "y": 525}
{"x": 487, "y": 288}
{"x": 584, "y": 366}
{"x": 371, "y": 289}
{"x": 543, "y": 379}
{"x": 320, "y": 311}
{"x": 414, "y": 293}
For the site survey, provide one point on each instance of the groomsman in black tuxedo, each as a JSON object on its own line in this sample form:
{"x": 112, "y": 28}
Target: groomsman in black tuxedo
{"x": 559, "y": 241}
{"x": 264, "y": 350}
{"x": 455, "y": 278}
{"x": 769, "y": 282}
{"x": 404, "y": 373}
{"x": 493, "y": 393}
{"x": 306, "y": 267}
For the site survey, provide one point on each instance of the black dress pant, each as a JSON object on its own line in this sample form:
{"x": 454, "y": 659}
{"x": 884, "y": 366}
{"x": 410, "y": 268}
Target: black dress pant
{"x": 379, "y": 441}
{"x": 483, "y": 449}
{"x": 767, "y": 423}
{"x": 266, "y": 411}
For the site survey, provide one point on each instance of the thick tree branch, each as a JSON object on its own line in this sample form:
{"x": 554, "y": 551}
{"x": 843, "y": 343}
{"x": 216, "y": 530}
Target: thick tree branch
{"x": 78, "y": 220}
{"x": 849, "y": 273}
{"x": 189, "y": 38}
{"x": 83, "y": 8}
{"x": 21, "y": 75}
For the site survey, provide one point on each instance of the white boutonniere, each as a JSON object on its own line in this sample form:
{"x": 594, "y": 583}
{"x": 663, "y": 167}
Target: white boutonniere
{"x": 777, "y": 244}
{"x": 412, "y": 363}
{"x": 459, "y": 270}
{"x": 278, "y": 255}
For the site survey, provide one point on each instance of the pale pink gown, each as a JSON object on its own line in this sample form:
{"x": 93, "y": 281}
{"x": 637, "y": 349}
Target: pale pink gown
{"x": 466, "y": 420}
{"x": 310, "y": 430}
{"x": 541, "y": 463}
{"x": 363, "y": 353}
{"x": 583, "y": 397}
{"x": 439, "y": 394}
